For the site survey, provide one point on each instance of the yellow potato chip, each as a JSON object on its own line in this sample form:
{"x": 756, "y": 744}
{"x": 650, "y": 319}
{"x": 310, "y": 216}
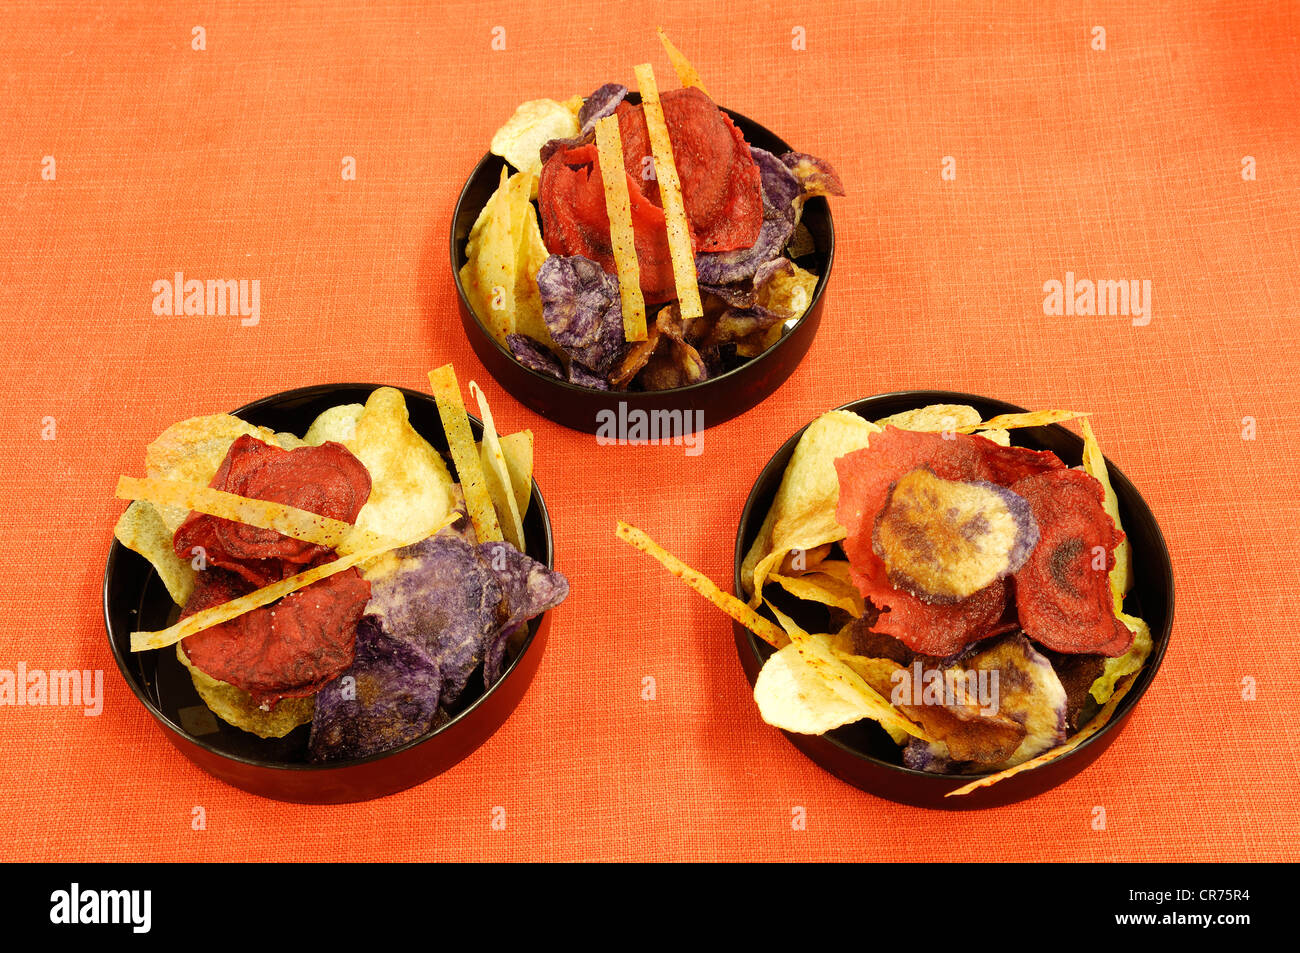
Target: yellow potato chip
{"x": 686, "y": 73}
{"x": 822, "y": 588}
{"x": 489, "y": 274}
{"x": 816, "y": 652}
{"x": 1094, "y": 464}
{"x": 141, "y": 529}
{"x": 728, "y": 603}
{"x": 574, "y": 104}
{"x": 680, "y": 245}
{"x": 794, "y": 697}
{"x": 235, "y": 706}
{"x": 496, "y": 475}
{"x": 410, "y": 488}
{"x": 464, "y": 453}
{"x": 1124, "y": 665}
{"x": 533, "y": 124}
{"x": 338, "y": 423}
{"x": 802, "y": 516}
{"x": 618, "y": 205}
{"x": 518, "y": 450}
{"x": 1001, "y": 437}
{"x": 788, "y": 293}
{"x": 935, "y": 418}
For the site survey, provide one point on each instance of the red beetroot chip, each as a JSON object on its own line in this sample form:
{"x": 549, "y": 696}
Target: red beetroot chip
{"x": 721, "y": 190}
{"x": 289, "y": 649}
{"x": 865, "y": 478}
{"x": 327, "y": 480}
{"x": 1063, "y": 595}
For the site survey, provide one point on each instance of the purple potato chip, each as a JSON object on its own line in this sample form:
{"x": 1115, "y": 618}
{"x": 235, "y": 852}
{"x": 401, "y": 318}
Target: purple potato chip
{"x": 582, "y": 310}
{"x": 552, "y": 146}
{"x": 439, "y": 597}
{"x": 816, "y": 177}
{"x": 600, "y": 104}
{"x": 584, "y": 377}
{"x": 780, "y": 189}
{"x": 740, "y": 295}
{"x": 388, "y": 697}
{"x": 534, "y": 355}
{"x": 529, "y": 589}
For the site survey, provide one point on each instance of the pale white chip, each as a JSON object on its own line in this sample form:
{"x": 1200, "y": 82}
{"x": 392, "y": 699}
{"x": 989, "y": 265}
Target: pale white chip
{"x": 533, "y": 124}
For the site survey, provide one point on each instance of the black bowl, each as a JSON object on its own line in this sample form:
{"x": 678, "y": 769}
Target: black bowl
{"x": 719, "y": 398}
{"x": 135, "y": 598}
{"x": 863, "y": 754}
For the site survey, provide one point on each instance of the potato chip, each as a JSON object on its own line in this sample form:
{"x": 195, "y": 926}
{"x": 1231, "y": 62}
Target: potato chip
{"x": 1094, "y": 464}
{"x": 802, "y": 516}
{"x": 192, "y": 450}
{"x": 518, "y": 450}
{"x": 686, "y": 73}
{"x": 141, "y": 529}
{"x": 410, "y": 488}
{"x": 464, "y": 453}
{"x": 289, "y": 441}
{"x": 618, "y": 206}
{"x": 338, "y": 423}
{"x": 533, "y": 124}
{"x": 822, "y": 588}
{"x": 817, "y": 655}
{"x": 1034, "y": 418}
{"x": 1126, "y": 664}
{"x": 794, "y": 697}
{"x": 236, "y": 707}
{"x": 784, "y": 288}
{"x": 496, "y": 475}
{"x": 680, "y": 245}
{"x": 491, "y": 262}
{"x": 728, "y": 603}
{"x": 936, "y": 418}
{"x": 1001, "y": 437}
{"x": 1099, "y": 722}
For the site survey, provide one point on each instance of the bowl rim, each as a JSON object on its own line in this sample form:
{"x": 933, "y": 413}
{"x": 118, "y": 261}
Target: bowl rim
{"x": 490, "y": 159}
{"x": 1142, "y": 680}
{"x": 117, "y": 551}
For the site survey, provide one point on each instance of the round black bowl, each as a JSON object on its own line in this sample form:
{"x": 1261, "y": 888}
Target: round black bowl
{"x": 863, "y": 754}
{"x": 719, "y": 398}
{"x": 135, "y": 598}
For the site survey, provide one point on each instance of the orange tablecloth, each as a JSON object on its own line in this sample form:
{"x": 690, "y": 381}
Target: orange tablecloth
{"x": 1122, "y": 163}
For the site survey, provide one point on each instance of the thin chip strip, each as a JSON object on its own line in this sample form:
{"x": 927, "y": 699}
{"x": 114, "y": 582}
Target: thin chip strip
{"x": 464, "y": 453}
{"x": 609, "y": 146}
{"x": 496, "y": 472}
{"x": 264, "y": 514}
{"x": 686, "y": 74}
{"x": 216, "y": 615}
{"x": 1094, "y": 726}
{"x": 680, "y": 245}
{"x": 842, "y": 680}
{"x": 763, "y": 628}
{"x": 1035, "y": 418}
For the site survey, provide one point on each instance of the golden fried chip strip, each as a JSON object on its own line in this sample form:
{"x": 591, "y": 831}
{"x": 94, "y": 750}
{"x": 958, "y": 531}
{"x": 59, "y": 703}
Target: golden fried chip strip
{"x": 763, "y": 628}
{"x": 686, "y": 73}
{"x": 464, "y": 453}
{"x": 609, "y": 146}
{"x": 680, "y": 245}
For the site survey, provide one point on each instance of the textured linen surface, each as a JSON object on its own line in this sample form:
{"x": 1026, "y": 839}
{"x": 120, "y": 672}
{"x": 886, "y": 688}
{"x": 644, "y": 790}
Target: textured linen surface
{"x": 1123, "y": 163}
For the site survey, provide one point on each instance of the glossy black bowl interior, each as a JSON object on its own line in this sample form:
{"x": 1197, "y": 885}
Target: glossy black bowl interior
{"x": 135, "y": 598}
{"x": 719, "y": 398}
{"x": 863, "y": 754}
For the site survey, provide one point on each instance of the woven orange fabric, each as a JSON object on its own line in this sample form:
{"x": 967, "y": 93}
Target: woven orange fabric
{"x": 1122, "y": 163}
